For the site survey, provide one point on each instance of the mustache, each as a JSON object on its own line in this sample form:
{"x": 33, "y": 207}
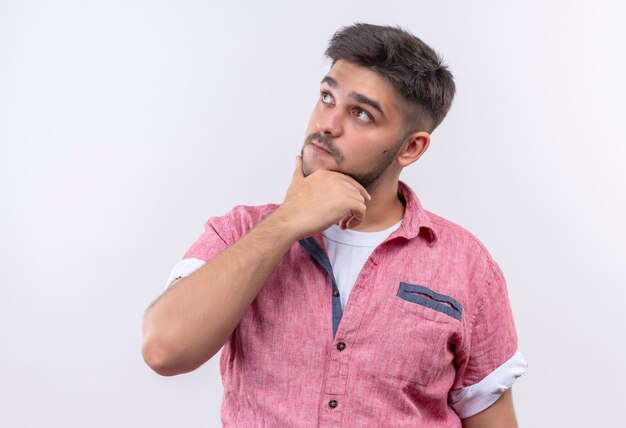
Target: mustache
{"x": 325, "y": 141}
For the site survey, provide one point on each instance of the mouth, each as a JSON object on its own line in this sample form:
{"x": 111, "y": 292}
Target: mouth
{"x": 323, "y": 145}
{"x": 318, "y": 148}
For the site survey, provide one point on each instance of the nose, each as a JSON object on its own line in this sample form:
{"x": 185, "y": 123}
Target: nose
{"x": 330, "y": 122}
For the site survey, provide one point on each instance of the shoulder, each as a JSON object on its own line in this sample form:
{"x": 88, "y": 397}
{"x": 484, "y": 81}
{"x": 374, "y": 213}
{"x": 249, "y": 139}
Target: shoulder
{"x": 461, "y": 243}
{"x": 247, "y": 214}
{"x": 239, "y": 220}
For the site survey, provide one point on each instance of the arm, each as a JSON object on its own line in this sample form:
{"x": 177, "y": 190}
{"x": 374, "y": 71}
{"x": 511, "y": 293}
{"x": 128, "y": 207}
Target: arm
{"x": 191, "y": 321}
{"x": 500, "y": 414}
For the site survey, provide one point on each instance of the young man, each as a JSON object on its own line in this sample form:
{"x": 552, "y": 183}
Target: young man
{"x": 348, "y": 304}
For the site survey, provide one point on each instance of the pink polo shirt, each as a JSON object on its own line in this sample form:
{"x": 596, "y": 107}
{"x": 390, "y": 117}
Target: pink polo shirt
{"x": 426, "y": 338}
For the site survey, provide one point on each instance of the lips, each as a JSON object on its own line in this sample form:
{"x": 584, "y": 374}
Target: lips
{"x": 322, "y": 145}
{"x": 319, "y": 148}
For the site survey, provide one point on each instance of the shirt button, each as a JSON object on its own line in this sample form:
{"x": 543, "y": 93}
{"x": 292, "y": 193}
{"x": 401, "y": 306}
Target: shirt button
{"x": 332, "y": 404}
{"x": 341, "y": 346}
{"x": 335, "y": 292}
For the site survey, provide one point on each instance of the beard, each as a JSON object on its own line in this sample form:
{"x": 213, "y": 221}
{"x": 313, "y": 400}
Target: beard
{"x": 369, "y": 179}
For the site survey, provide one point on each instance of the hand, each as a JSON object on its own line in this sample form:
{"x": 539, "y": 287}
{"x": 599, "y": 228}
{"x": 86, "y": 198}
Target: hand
{"x": 323, "y": 198}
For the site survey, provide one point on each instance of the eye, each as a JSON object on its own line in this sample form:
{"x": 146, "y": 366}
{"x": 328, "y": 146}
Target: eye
{"x": 361, "y": 115}
{"x": 326, "y": 98}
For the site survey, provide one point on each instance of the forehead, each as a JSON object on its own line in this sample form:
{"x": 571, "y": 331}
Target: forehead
{"x": 355, "y": 78}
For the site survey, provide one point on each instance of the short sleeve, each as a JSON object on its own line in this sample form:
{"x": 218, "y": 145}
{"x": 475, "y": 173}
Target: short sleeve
{"x": 208, "y": 245}
{"x": 219, "y": 234}
{"x": 492, "y": 363}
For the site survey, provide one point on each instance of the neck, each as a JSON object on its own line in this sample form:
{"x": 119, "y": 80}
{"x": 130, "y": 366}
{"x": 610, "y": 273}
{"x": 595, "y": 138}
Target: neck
{"x": 384, "y": 209}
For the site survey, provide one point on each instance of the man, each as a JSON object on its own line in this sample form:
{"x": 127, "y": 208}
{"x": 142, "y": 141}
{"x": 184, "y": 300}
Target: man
{"x": 348, "y": 304}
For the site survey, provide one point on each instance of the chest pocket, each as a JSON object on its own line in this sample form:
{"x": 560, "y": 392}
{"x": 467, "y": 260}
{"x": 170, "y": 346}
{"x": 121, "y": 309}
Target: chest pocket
{"x": 426, "y": 297}
{"x": 418, "y": 334}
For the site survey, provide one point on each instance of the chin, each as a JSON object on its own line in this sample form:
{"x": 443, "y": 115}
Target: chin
{"x": 308, "y": 169}
{"x": 310, "y": 164}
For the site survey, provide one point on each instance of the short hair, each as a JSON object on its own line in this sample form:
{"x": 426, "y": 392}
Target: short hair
{"x": 418, "y": 73}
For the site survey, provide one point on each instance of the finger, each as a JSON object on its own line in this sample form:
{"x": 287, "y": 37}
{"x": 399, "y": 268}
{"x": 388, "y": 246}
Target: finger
{"x": 355, "y": 195}
{"x": 352, "y": 223}
{"x": 352, "y": 194}
{"x": 348, "y": 189}
{"x": 297, "y": 172}
{"x": 357, "y": 214}
{"x": 358, "y": 186}
{"x": 343, "y": 223}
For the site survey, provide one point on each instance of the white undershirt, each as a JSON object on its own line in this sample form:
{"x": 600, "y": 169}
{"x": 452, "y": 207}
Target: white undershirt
{"x": 348, "y": 250}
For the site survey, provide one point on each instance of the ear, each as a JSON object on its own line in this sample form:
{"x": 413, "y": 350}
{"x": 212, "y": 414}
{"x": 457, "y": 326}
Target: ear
{"x": 414, "y": 146}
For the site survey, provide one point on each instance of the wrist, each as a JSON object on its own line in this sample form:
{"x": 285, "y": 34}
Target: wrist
{"x": 283, "y": 222}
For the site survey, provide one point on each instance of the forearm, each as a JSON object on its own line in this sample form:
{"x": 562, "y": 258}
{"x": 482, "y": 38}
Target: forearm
{"x": 191, "y": 321}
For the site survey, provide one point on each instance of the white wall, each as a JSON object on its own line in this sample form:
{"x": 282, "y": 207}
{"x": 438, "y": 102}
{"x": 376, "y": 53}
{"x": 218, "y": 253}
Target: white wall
{"x": 124, "y": 125}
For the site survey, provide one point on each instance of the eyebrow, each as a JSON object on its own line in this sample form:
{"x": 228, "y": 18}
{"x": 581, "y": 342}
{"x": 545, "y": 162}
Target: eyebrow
{"x": 355, "y": 95}
{"x": 364, "y": 100}
{"x": 329, "y": 81}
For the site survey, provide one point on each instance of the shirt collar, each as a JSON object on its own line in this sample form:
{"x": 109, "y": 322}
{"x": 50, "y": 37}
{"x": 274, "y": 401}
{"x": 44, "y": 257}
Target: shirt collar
{"x": 416, "y": 221}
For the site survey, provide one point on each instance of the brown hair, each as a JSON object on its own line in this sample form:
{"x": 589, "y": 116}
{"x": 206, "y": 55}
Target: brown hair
{"x": 418, "y": 73}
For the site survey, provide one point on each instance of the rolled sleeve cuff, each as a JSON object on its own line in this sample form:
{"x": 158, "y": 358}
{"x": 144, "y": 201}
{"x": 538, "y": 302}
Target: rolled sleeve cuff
{"x": 184, "y": 268}
{"x": 475, "y": 398}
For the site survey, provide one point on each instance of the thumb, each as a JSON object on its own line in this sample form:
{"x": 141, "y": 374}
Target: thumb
{"x": 298, "y": 174}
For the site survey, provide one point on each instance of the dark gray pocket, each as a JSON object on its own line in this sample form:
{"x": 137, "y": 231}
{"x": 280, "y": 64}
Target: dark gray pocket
{"x": 426, "y": 297}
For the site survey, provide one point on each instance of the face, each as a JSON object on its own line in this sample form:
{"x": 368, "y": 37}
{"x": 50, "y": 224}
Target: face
{"x": 355, "y": 127}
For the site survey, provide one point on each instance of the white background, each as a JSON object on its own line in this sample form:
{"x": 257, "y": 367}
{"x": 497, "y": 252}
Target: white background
{"x": 124, "y": 125}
